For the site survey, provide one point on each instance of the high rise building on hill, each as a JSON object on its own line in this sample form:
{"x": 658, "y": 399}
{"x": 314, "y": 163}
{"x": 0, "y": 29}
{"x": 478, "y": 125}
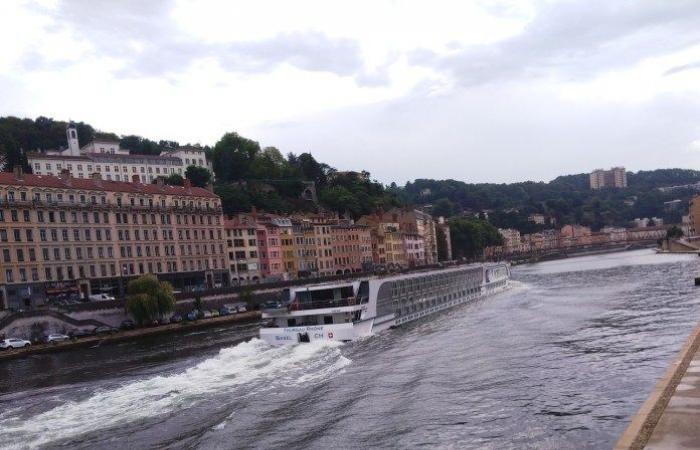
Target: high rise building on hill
{"x": 615, "y": 178}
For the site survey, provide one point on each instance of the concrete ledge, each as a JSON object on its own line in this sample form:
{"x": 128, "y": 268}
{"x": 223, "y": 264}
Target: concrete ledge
{"x": 642, "y": 425}
{"x": 128, "y": 335}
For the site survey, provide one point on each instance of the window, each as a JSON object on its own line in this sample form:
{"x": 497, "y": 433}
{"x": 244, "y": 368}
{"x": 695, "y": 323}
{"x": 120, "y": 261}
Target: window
{"x": 8, "y": 275}
{"x": 6, "y": 255}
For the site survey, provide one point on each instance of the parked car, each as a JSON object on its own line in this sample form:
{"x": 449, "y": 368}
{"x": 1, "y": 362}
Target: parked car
{"x": 164, "y": 321}
{"x": 177, "y": 318}
{"x": 271, "y": 305}
{"x": 101, "y": 297}
{"x": 224, "y": 311}
{"x": 80, "y": 333}
{"x": 104, "y": 329}
{"x": 240, "y": 307}
{"x": 215, "y": 313}
{"x": 206, "y": 314}
{"x": 55, "y": 338}
{"x": 127, "y": 324}
{"x": 14, "y": 343}
{"x": 193, "y": 315}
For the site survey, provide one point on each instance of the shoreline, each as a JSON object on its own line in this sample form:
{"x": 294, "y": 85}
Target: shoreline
{"x": 128, "y": 335}
{"x": 643, "y": 423}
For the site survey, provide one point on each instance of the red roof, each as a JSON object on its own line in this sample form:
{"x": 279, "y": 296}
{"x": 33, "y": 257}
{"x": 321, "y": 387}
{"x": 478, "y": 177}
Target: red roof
{"x": 50, "y": 181}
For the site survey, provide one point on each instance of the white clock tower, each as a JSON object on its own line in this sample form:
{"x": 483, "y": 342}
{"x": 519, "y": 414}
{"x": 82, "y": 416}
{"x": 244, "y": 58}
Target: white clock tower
{"x": 73, "y": 145}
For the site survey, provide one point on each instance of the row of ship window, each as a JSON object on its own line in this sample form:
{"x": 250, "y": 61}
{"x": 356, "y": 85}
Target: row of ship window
{"x": 407, "y": 306}
{"x": 433, "y": 282}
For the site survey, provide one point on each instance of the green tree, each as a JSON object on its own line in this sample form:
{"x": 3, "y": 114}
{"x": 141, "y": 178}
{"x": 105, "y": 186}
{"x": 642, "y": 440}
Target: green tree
{"x": 674, "y": 233}
{"x": 441, "y": 243}
{"x": 234, "y": 199}
{"x": 443, "y": 207}
{"x": 470, "y": 236}
{"x": 340, "y": 199}
{"x": 149, "y": 299}
{"x": 232, "y": 157}
{"x": 174, "y": 179}
{"x": 199, "y": 176}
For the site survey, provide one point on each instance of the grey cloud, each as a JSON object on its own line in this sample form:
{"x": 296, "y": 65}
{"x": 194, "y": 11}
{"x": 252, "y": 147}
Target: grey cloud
{"x": 575, "y": 40}
{"x": 141, "y": 34}
{"x": 683, "y": 68}
{"x": 496, "y": 134}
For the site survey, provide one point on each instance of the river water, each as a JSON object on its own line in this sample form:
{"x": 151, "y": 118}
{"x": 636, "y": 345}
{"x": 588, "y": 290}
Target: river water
{"x": 560, "y": 361}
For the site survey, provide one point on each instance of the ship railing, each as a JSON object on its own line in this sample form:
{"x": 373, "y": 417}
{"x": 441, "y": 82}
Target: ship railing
{"x": 334, "y": 303}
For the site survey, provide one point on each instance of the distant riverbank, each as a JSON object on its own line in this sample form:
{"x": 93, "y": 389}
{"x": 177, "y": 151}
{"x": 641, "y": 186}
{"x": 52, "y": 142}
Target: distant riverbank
{"x": 126, "y": 335}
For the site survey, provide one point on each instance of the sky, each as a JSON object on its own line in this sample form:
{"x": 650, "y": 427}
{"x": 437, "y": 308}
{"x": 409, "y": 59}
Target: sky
{"x": 478, "y": 91}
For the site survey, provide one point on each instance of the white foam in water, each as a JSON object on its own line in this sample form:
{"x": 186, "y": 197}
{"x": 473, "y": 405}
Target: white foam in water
{"x": 247, "y": 363}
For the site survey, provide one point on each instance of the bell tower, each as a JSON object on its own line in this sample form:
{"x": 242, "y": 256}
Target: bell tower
{"x": 72, "y": 136}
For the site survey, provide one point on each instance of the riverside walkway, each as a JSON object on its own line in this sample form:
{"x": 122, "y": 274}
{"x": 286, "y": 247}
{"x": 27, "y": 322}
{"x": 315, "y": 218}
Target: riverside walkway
{"x": 670, "y": 417}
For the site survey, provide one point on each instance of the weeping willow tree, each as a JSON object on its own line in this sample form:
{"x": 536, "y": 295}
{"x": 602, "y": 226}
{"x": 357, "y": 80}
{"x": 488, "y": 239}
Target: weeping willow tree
{"x": 149, "y": 299}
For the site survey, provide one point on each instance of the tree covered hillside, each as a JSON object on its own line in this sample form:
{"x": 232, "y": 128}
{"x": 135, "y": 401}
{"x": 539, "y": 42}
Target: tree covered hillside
{"x": 567, "y": 199}
{"x": 246, "y": 175}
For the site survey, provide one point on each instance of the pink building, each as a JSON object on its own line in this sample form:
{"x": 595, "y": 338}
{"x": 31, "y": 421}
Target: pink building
{"x": 270, "y": 248}
{"x": 415, "y": 249}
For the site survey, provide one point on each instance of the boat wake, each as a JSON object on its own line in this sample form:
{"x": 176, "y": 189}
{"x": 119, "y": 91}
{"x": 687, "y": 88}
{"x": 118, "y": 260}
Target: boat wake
{"x": 255, "y": 364}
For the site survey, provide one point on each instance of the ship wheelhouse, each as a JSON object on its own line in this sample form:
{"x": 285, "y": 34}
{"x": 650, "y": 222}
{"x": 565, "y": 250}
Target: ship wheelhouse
{"x": 328, "y": 304}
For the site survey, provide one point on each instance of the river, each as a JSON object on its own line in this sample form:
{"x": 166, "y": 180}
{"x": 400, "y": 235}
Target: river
{"x": 562, "y": 360}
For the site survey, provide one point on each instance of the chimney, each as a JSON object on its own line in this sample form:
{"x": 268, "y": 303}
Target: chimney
{"x": 96, "y": 176}
{"x": 18, "y": 171}
{"x": 135, "y": 179}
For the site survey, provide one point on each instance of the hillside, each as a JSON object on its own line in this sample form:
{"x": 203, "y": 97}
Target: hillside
{"x": 248, "y": 175}
{"x": 568, "y": 199}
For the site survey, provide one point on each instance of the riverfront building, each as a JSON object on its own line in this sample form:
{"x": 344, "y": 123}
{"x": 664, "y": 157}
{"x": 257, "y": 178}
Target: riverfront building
{"x": 76, "y": 236}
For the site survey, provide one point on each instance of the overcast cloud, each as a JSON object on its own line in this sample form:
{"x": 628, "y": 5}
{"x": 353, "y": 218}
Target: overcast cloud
{"x": 478, "y": 91}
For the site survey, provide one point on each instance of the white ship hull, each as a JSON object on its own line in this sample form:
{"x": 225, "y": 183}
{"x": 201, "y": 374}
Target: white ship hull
{"x": 359, "y": 316}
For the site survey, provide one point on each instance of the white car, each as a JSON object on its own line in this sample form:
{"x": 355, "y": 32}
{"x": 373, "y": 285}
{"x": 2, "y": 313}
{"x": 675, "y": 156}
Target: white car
{"x": 14, "y": 343}
{"x": 101, "y": 297}
{"x": 53, "y": 338}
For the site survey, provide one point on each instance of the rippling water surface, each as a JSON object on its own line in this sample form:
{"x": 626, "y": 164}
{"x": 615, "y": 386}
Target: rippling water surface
{"x": 560, "y": 361}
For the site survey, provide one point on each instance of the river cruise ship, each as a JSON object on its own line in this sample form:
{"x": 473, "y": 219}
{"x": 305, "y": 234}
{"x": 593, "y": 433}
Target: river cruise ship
{"x": 347, "y": 310}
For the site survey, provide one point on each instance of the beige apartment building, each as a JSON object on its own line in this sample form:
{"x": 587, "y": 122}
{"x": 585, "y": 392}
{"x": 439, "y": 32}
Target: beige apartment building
{"x": 242, "y": 249}
{"x": 63, "y": 236}
{"x": 615, "y": 178}
{"x": 352, "y": 248}
{"x": 413, "y": 221}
